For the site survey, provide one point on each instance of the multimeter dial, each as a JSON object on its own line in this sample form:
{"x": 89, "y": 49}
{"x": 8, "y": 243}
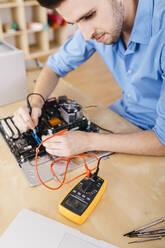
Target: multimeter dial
{"x": 88, "y": 187}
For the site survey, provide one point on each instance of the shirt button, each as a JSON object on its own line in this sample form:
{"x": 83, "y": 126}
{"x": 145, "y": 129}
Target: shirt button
{"x": 129, "y": 71}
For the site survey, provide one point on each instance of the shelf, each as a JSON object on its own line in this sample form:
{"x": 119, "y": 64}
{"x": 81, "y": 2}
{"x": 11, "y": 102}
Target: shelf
{"x": 16, "y": 4}
{"x": 52, "y": 38}
{"x": 35, "y": 52}
{"x": 9, "y": 17}
{"x": 6, "y": 35}
{"x": 34, "y": 43}
{"x": 29, "y": 31}
{"x": 13, "y": 40}
{"x": 31, "y": 3}
{"x": 33, "y": 49}
{"x": 6, "y": 4}
{"x": 35, "y": 14}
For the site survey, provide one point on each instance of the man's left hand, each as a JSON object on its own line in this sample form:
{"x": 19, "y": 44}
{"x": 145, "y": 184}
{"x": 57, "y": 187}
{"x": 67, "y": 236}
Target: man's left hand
{"x": 67, "y": 144}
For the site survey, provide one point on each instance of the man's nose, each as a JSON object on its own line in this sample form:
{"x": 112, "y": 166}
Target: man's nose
{"x": 86, "y": 31}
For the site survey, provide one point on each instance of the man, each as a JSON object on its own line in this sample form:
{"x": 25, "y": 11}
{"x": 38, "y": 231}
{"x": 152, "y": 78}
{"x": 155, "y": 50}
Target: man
{"x": 130, "y": 37}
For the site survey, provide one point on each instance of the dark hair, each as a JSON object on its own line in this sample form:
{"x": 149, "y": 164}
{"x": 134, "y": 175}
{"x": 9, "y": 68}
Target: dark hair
{"x": 50, "y": 4}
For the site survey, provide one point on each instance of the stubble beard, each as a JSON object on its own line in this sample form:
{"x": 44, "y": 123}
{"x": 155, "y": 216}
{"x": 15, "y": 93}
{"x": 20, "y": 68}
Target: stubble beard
{"x": 118, "y": 17}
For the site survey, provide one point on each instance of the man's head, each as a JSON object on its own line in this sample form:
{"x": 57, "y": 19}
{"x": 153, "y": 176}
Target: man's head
{"x": 100, "y": 20}
{"x": 50, "y": 4}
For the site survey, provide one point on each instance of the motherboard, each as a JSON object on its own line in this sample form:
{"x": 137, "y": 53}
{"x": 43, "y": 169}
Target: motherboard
{"x": 57, "y": 114}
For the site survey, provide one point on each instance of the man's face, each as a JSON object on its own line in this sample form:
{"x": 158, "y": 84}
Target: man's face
{"x": 97, "y": 19}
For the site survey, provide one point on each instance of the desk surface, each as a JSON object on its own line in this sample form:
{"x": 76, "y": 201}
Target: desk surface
{"x": 135, "y": 193}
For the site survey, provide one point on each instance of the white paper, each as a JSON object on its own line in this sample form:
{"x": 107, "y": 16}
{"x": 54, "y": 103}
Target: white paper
{"x": 33, "y": 230}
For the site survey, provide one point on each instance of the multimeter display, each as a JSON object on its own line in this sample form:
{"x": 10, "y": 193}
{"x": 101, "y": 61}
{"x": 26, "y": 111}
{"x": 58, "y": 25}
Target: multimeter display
{"x": 82, "y": 198}
{"x": 75, "y": 205}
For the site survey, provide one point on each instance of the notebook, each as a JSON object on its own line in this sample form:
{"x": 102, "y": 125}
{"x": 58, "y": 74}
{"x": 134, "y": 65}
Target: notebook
{"x": 30, "y": 229}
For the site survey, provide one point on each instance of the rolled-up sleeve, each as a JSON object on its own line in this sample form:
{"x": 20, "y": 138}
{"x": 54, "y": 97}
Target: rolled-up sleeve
{"x": 159, "y": 127}
{"x": 73, "y": 53}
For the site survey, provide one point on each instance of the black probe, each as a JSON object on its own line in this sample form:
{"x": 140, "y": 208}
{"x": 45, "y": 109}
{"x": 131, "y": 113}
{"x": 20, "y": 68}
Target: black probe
{"x": 30, "y": 108}
{"x": 94, "y": 175}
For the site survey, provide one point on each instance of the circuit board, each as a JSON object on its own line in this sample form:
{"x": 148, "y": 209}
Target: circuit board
{"x": 57, "y": 114}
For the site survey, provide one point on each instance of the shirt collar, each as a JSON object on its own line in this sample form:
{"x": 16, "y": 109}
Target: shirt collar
{"x": 141, "y": 32}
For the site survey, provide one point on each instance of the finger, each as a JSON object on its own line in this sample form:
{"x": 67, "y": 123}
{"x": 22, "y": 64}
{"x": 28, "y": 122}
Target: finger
{"x": 51, "y": 140}
{"x": 54, "y": 152}
{"x": 59, "y": 153}
{"x": 50, "y": 144}
{"x": 58, "y": 138}
{"x": 53, "y": 146}
{"x": 23, "y": 112}
{"x": 36, "y": 113}
{"x": 20, "y": 124}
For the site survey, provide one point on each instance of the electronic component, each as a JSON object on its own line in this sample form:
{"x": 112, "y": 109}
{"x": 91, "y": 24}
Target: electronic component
{"x": 80, "y": 201}
{"x": 55, "y": 121}
{"x": 57, "y": 114}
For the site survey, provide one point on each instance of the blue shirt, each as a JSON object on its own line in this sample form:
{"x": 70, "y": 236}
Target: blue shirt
{"x": 139, "y": 69}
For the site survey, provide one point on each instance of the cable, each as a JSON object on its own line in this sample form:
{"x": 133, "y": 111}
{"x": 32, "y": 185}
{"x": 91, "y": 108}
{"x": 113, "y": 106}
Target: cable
{"x": 28, "y": 103}
{"x": 88, "y": 107}
{"x": 94, "y": 176}
{"x": 38, "y": 140}
{"x": 104, "y": 129}
{"x": 67, "y": 159}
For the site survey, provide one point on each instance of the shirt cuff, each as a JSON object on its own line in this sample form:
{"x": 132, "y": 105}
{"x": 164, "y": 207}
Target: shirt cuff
{"x": 52, "y": 62}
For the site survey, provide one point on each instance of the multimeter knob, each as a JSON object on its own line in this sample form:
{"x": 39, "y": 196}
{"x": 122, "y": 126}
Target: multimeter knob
{"x": 88, "y": 186}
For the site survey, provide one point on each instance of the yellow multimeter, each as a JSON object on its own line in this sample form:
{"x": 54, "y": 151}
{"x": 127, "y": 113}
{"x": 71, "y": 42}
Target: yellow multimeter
{"x": 80, "y": 201}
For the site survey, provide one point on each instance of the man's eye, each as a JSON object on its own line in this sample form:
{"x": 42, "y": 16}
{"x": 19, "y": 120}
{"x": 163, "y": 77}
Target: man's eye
{"x": 89, "y": 16}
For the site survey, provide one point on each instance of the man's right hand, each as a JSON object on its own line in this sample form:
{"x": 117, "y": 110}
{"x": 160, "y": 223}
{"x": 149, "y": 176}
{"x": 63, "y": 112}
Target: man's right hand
{"x": 24, "y": 121}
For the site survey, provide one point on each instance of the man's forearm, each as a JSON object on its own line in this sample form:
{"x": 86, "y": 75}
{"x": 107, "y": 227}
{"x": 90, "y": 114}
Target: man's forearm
{"x": 45, "y": 84}
{"x": 140, "y": 143}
